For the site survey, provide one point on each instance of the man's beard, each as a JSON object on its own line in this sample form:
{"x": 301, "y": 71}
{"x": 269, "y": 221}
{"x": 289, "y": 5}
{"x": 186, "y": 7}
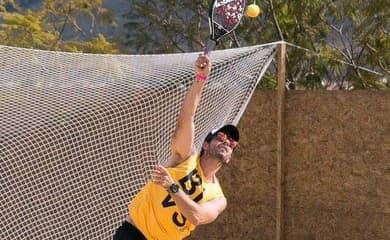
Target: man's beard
{"x": 214, "y": 153}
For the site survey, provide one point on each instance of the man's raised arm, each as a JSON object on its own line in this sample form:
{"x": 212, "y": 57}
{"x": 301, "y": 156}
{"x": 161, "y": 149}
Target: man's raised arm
{"x": 182, "y": 144}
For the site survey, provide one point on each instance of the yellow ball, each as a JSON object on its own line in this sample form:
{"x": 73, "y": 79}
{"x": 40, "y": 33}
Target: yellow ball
{"x": 253, "y": 10}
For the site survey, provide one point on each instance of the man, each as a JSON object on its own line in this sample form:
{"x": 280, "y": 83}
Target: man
{"x": 185, "y": 192}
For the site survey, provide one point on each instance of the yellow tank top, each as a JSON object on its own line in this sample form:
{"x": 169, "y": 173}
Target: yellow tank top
{"x": 154, "y": 212}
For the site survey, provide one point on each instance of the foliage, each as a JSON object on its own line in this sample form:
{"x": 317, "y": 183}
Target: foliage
{"x": 57, "y": 25}
{"x": 338, "y": 40}
{"x": 166, "y": 26}
{"x": 332, "y": 44}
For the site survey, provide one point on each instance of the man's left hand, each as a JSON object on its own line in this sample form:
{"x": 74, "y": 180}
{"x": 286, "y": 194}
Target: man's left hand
{"x": 161, "y": 176}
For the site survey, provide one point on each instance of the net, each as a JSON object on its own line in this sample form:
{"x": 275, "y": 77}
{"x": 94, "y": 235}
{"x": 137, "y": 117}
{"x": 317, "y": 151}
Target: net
{"x": 80, "y": 133}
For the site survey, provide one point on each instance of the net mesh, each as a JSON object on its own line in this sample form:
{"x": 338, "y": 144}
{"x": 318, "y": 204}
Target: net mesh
{"x": 80, "y": 133}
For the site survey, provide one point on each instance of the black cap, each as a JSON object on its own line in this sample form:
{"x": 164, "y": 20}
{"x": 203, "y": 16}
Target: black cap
{"x": 229, "y": 129}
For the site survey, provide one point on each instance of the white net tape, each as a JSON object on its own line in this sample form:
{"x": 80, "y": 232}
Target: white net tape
{"x": 79, "y": 133}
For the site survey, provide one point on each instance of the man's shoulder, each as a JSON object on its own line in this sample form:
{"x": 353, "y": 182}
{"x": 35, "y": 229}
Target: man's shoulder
{"x": 191, "y": 160}
{"x": 177, "y": 160}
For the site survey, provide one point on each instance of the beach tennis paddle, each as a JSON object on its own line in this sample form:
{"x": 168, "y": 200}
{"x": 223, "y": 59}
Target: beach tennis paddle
{"x": 224, "y": 17}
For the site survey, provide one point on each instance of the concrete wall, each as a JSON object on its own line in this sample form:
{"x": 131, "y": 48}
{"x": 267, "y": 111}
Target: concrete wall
{"x": 337, "y": 160}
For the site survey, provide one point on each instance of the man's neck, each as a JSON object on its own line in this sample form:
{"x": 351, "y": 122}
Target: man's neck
{"x": 210, "y": 167}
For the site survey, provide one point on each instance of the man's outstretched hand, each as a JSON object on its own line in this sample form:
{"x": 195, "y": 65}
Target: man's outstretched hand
{"x": 203, "y": 65}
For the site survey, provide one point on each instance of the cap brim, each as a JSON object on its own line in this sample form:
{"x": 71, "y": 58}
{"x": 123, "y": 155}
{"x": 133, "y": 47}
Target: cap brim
{"x": 231, "y": 130}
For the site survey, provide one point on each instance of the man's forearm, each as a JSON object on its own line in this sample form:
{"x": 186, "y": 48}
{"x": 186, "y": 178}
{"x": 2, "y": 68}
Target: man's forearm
{"x": 191, "y": 101}
{"x": 193, "y": 96}
{"x": 190, "y": 209}
{"x": 195, "y": 212}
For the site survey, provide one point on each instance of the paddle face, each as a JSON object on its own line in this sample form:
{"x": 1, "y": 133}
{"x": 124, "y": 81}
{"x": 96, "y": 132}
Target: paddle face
{"x": 224, "y": 17}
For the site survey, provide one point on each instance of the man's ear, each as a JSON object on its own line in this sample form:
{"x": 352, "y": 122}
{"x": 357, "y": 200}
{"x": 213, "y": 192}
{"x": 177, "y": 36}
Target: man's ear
{"x": 205, "y": 145}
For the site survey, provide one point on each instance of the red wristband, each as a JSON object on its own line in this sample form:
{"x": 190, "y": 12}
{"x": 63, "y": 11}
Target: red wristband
{"x": 201, "y": 77}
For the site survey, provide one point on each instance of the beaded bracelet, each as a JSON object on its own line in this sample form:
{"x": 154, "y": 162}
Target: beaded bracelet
{"x": 201, "y": 77}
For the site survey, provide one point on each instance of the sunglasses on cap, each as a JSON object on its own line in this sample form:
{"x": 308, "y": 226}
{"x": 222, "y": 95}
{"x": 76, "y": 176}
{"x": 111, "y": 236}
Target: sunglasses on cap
{"x": 222, "y": 137}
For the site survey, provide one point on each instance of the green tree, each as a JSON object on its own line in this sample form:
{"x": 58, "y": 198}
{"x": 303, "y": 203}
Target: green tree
{"x": 57, "y": 25}
{"x": 166, "y": 26}
{"x": 338, "y": 40}
{"x": 343, "y": 38}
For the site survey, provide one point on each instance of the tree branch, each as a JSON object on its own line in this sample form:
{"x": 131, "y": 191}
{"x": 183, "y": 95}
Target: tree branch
{"x": 276, "y": 20}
